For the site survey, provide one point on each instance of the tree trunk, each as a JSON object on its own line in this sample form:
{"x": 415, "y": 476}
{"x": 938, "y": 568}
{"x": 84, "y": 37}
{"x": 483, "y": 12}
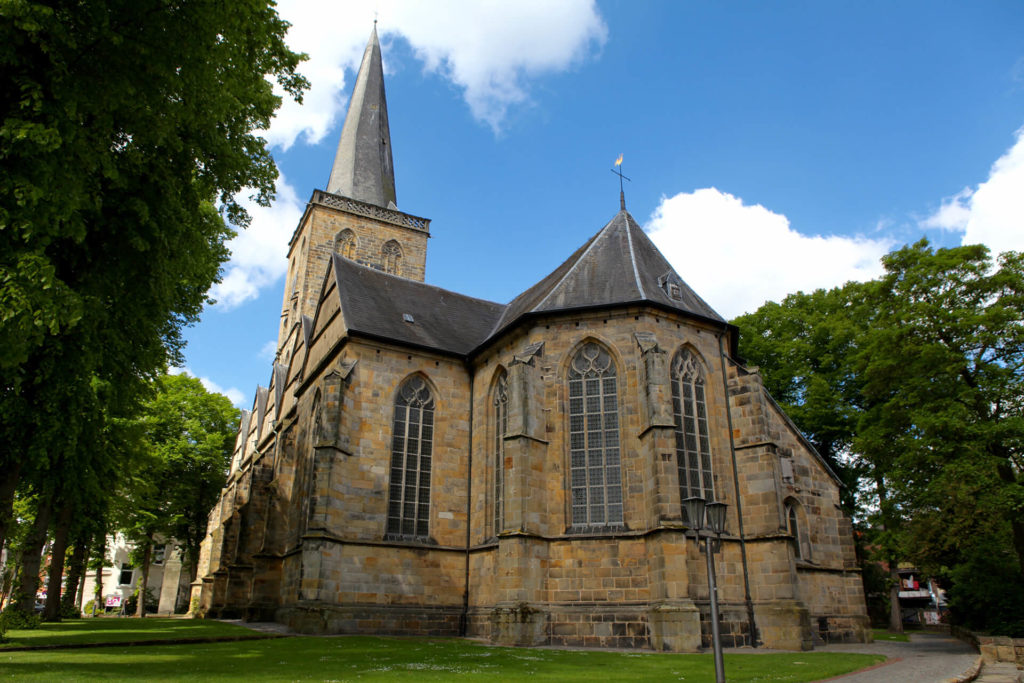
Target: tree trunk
{"x": 7, "y": 489}
{"x": 31, "y": 559}
{"x": 97, "y": 598}
{"x": 58, "y": 552}
{"x": 895, "y": 614}
{"x": 140, "y": 607}
{"x": 72, "y": 593}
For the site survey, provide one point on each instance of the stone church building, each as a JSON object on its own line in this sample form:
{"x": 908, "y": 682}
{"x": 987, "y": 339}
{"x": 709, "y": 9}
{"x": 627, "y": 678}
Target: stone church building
{"x": 424, "y": 462}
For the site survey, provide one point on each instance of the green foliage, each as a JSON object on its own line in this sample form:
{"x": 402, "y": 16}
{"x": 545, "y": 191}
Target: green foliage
{"x": 152, "y": 602}
{"x": 14, "y": 618}
{"x": 188, "y": 436}
{"x": 919, "y": 375}
{"x": 129, "y": 131}
{"x": 108, "y": 179}
{"x": 986, "y": 592}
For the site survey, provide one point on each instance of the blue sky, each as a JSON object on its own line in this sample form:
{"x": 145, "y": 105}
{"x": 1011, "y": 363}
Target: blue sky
{"x": 773, "y": 147}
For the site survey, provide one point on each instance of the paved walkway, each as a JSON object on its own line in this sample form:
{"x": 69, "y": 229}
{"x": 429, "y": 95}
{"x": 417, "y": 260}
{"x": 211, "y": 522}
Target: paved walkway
{"x": 927, "y": 658}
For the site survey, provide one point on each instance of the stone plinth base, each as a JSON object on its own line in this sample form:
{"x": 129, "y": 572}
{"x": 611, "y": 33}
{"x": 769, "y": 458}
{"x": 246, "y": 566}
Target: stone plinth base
{"x": 784, "y": 625}
{"x": 318, "y": 618}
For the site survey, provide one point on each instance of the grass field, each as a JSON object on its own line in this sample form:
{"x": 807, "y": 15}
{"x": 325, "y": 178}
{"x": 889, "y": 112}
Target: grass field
{"x": 114, "y": 630}
{"x": 882, "y": 634}
{"x": 368, "y": 658}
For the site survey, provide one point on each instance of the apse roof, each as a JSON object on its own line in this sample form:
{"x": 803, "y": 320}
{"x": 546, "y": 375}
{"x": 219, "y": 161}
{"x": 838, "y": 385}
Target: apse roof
{"x": 618, "y": 265}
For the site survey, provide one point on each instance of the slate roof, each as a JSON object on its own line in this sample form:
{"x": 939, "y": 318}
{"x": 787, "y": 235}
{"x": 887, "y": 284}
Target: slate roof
{"x": 616, "y": 266}
{"x": 619, "y": 265}
{"x": 363, "y": 168}
{"x": 374, "y": 303}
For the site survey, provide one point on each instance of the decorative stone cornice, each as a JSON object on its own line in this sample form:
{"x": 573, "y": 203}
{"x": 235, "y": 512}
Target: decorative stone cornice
{"x": 405, "y": 220}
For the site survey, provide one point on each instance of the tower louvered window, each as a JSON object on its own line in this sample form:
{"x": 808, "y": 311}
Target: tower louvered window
{"x": 500, "y": 427}
{"x": 411, "y": 448}
{"x": 392, "y": 253}
{"x": 594, "y": 461}
{"x": 345, "y": 244}
{"x": 693, "y": 449}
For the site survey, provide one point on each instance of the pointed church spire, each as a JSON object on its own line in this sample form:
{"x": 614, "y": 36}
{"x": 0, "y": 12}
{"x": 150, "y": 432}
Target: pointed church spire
{"x": 362, "y": 165}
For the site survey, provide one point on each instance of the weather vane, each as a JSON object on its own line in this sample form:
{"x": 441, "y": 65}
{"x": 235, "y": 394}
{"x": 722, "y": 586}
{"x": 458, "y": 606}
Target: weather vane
{"x": 618, "y": 171}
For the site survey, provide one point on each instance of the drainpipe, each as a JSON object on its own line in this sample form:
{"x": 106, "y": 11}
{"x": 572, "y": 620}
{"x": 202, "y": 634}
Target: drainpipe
{"x": 739, "y": 504}
{"x": 464, "y": 621}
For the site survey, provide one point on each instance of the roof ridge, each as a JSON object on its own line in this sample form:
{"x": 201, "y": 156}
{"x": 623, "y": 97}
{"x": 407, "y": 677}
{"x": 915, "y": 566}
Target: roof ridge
{"x": 593, "y": 241}
{"x": 632, "y": 257}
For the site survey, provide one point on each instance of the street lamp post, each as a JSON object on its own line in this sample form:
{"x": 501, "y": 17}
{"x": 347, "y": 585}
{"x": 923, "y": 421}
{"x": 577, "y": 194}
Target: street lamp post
{"x": 696, "y": 509}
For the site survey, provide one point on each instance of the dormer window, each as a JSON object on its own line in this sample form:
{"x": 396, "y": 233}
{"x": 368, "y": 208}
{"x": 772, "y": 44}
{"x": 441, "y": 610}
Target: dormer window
{"x": 672, "y": 286}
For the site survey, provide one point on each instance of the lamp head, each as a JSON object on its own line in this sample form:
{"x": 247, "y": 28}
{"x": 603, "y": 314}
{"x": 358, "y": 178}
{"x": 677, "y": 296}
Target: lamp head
{"x": 694, "y": 512}
{"x": 716, "y": 516}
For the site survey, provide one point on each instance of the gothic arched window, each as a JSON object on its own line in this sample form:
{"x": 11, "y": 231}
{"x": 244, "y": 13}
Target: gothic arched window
{"x": 345, "y": 244}
{"x": 693, "y": 448}
{"x": 412, "y": 439}
{"x": 392, "y": 253}
{"x": 595, "y": 471}
{"x": 500, "y": 426}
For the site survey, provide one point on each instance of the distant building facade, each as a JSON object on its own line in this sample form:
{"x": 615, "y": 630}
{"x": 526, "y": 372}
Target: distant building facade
{"x": 423, "y": 462}
{"x": 168, "y": 578}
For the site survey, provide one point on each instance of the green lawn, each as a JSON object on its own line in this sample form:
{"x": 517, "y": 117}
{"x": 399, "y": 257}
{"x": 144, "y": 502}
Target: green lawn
{"x": 882, "y": 634}
{"x": 115, "y": 630}
{"x": 366, "y": 658}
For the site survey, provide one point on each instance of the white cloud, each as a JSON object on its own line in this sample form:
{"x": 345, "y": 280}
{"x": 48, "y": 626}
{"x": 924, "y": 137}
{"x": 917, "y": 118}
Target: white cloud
{"x": 992, "y": 214}
{"x": 259, "y": 252}
{"x": 486, "y": 48}
{"x": 738, "y": 256}
{"x": 268, "y": 350}
{"x": 234, "y": 395}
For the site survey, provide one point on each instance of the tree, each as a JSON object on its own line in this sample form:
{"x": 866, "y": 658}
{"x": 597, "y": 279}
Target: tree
{"x": 122, "y": 122}
{"x": 192, "y": 432}
{"x": 934, "y": 368}
{"x": 189, "y": 438}
{"x": 124, "y": 125}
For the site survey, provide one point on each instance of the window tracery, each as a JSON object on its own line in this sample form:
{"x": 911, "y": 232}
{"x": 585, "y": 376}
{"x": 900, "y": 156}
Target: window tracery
{"x": 345, "y": 244}
{"x": 412, "y": 438}
{"x": 689, "y": 407}
{"x": 392, "y": 253}
{"x": 595, "y": 470}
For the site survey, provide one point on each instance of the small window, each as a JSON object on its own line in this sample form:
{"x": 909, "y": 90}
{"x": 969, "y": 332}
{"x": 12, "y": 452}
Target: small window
{"x": 392, "y": 253}
{"x": 126, "y": 575}
{"x": 500, "y": 428}
{"x": 345, "y": 244}
{"x": 158, "y": 554}
{"x": 797, "y": 527}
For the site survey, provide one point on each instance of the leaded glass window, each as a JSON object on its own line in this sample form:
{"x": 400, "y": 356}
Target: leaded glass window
{"x": 693, "y": 449}
{"x": 500, "y": 428}
{"x": 412, "y": 439}
{"x": 595, "y": 469}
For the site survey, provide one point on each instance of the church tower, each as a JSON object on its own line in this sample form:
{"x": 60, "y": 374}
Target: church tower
{"x": 357, "y": 216}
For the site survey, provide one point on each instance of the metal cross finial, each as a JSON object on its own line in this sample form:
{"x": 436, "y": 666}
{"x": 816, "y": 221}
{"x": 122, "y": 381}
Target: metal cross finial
{"x": 618, "y": 171}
